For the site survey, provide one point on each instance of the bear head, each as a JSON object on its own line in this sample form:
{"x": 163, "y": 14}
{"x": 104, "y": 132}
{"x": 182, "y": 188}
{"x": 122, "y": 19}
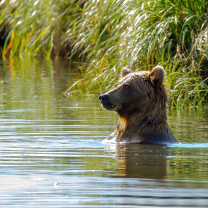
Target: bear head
{"x": 141, "y": 91}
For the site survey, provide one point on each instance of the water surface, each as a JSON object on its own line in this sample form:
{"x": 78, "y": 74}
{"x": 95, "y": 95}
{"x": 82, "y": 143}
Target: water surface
{"x": 51, "y": 153}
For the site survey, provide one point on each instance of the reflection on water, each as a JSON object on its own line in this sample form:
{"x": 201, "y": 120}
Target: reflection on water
{"x": 143, "y": 161}
{"x": 51, "y": 153}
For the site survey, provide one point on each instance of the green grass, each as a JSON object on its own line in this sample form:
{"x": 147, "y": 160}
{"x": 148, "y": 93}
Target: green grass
{"x": 107, "y": 35}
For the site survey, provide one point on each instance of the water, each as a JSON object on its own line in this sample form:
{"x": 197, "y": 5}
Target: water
{"x": 51, "y": 153}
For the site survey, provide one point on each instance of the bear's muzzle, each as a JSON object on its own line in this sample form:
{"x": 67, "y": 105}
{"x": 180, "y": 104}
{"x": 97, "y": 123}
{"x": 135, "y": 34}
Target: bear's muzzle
{"x": 103, "y": 98}
{"x": 106, "y": 102}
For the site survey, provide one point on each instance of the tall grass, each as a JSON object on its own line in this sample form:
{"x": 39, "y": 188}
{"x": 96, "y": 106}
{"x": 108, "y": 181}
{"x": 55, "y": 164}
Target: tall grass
{"x": 38, "y": 26}
{"x": 110, "y": 34}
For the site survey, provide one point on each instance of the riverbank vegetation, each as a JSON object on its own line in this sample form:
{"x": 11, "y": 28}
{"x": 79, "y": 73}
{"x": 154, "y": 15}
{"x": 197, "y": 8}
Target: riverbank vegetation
{"x": 107, "y": 35}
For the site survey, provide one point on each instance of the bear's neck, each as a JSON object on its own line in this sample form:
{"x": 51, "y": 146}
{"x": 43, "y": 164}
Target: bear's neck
{"x": 130, "y": 127}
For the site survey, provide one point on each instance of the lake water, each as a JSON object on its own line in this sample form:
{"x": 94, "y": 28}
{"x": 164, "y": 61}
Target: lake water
{"x": 51, "y": 153}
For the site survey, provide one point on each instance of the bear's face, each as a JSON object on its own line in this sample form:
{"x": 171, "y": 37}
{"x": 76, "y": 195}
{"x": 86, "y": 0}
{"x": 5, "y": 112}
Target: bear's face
{"x": 134, "y": 91}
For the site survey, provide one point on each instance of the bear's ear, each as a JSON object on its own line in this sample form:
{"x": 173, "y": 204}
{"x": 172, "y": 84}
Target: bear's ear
{"x": 125, "y": 71}
{"x": 157, "y": 75}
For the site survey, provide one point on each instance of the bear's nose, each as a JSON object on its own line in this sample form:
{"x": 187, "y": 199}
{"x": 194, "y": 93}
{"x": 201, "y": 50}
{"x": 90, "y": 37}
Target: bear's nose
{"x": 103, "y": 97}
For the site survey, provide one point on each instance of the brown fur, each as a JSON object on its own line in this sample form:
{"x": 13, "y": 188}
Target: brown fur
{"x": 140, "y": 99}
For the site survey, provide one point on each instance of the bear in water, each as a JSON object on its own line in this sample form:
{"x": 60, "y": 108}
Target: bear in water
{"x": 140, "y": 99}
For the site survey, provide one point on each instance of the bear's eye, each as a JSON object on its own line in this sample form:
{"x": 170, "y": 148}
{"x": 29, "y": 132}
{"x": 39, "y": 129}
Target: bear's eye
{"x": 126, "y": 87}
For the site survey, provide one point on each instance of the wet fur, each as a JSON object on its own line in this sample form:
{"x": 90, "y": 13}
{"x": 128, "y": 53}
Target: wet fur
{"x": 140, "y": 99}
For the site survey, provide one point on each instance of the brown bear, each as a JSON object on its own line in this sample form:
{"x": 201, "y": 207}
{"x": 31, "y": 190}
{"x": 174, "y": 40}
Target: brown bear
{"x": 140, "y": 99}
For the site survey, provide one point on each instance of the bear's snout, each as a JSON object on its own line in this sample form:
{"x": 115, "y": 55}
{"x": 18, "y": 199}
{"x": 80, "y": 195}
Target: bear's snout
{"x": 106, "y": 103}
{"x": 104, "y": 98}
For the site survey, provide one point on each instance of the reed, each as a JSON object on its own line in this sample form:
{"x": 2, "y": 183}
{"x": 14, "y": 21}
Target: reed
{"x": 110, "y": 34}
